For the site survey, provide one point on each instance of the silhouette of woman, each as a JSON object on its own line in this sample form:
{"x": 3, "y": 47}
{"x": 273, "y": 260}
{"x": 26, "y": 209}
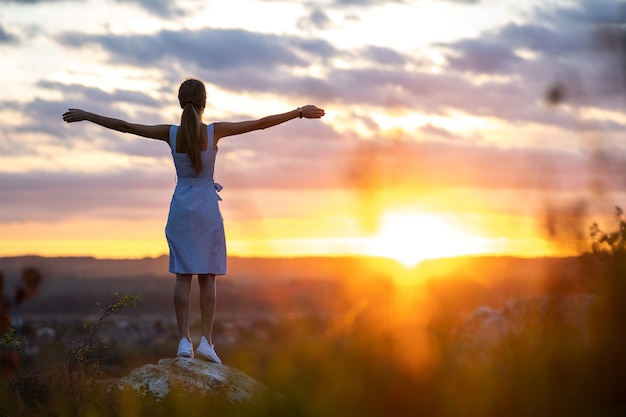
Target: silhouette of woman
{"x": 195, "y": 229}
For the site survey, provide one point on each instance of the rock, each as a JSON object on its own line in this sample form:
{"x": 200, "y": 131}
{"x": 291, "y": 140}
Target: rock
{"x": 186, "y": 384}
{"x": 494, "y": 338}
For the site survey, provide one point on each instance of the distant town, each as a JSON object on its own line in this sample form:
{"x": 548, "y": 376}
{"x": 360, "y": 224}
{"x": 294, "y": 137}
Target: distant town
{"x": 262, "y": 302}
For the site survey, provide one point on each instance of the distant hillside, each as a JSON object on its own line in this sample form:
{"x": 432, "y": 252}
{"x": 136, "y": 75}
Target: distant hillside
{"x": 318, "y": 283}
{"x": 75, "y": 284}
{"x": 238, "y": 268}
{"x": 86, "y": 267}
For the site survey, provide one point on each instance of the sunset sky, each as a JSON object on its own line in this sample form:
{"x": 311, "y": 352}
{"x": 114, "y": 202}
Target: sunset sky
{"x": 438, "y": 139}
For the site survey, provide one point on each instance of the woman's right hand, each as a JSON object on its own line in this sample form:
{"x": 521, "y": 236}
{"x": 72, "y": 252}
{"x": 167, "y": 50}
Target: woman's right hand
{"x": 74, "y": 115}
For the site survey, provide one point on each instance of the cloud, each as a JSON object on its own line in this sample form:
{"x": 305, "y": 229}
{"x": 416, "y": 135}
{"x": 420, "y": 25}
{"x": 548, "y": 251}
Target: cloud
{"x": 562, "y": 38}
{"x": 385, "y": 56}
{"x": 300, "y": 162}
{"x": 92, "y": 94}
{"x": 528, "y": 58}
{"x": 392, "y": 88}
{"x": 365, "y": 2}
{"x": 6, "y": 37}
{"x": 302, "y": 154}
{"x": 213, "y": 49}
{"x": 495, "y": 52}
{"x": 57, "y": 196}
{"x": 162, "y": 8}
{"x": 316, "y": 19}
{"x": 484, "y": 57}
{"x": 593, "y": 11}
{"x": 235, "y": 59}
{"x": 42, "y": 116}
{"x": 503, "y": 73}
{"x": 374, "y": 3}
{"x": 455, "y": 165}
{"x": 265, "y": 63}
{"x": 431, "y": 130}
{"x": 29, "y": 2}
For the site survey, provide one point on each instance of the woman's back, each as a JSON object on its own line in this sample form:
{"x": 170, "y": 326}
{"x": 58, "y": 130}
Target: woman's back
{"x": 195, "y": 228}
{"x": 182, "y": 162}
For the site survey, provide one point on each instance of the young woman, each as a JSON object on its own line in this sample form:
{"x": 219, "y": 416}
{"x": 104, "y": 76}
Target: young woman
{"x": 195, "y": 229}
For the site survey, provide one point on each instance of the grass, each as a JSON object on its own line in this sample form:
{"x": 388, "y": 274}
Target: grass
{"x": 383, "y": 361}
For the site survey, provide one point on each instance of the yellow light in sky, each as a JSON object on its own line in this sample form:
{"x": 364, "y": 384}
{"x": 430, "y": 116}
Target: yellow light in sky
{"x": 412, "y": 237}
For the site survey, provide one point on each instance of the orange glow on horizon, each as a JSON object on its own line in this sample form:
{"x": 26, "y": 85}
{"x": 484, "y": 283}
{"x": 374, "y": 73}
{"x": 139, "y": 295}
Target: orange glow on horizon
{"x": 406, "y": 236}
{"x": 411, "y": 238}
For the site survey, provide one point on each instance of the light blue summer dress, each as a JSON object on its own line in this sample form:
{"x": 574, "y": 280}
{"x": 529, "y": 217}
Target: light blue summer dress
{"x": 195, "y": 227}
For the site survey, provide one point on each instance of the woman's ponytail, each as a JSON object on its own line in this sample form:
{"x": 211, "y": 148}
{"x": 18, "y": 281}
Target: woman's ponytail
{"x": 190, "y": 126}
{"x": 192, "y": 98}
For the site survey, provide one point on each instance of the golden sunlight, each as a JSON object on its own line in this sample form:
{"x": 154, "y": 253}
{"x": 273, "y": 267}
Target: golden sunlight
{"x": 410, "y": 238}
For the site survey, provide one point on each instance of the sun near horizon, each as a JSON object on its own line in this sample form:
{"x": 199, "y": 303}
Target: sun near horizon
{"x": 405, "y": 236}
{"x": 410, "y": 238}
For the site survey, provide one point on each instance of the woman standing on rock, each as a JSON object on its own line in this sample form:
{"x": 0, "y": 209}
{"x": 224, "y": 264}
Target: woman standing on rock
{"x": 195, "y": 228}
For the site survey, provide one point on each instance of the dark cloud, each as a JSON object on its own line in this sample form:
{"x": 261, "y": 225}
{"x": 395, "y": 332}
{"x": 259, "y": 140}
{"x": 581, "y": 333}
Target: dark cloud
{"x": 163, "y": 8}
{"x": 549, "y": 41}
{"x": 483, "y": 56}
{"x": 97, "y": 95}
{"x": 41, "y": 117}
{"x": 234, "y": 59}
{"x": 524, "y": 59}
{"x": 316, "y": 49}
{"x": 52, "y": 196}
{"x": 503, "y": 73}
{"x": 593, "y": 11}
{"x": 6, "y": 37}
{"x": 243, "y": 61}
{"x": 301, "y": 154}
{"x": 319, "y": 19}
{"x": 495, "y": 51}
{"x": 432, "y": 130}
{"x": 314, "y": 156}
{"x": 27, "y": 2}
{"x": 557, "y": 45}
{"x": 385, "y": 56}
{"x": 158, "y": 7}
{"x": 315, "y": 19}
{"x": 371, "y": 3}
{"x": 396, "y": 89}
{"x": 365, "y": 2}
{"x": 44, "y": 115}
{"x": 297, "y": 158}
{"x": 214, "y": 49}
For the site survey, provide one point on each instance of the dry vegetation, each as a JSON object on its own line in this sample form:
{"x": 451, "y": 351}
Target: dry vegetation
{"x": 383, "y": 350}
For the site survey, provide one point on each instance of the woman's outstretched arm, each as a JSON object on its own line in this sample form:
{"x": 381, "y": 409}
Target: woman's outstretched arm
{"x": 160, "y": 132}
{"x": 223, "y": 129}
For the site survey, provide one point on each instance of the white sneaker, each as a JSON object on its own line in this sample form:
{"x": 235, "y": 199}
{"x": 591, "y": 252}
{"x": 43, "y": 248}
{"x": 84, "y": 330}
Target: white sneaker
{"x": 207, "y": 351}
{"x": 185, "y": 348}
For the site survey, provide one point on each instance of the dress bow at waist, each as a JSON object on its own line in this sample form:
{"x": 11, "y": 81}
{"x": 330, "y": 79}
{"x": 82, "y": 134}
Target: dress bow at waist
{"x": 191, "y": 181}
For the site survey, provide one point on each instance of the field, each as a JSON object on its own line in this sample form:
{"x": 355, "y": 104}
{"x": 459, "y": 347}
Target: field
{"x": 338, "y": 336}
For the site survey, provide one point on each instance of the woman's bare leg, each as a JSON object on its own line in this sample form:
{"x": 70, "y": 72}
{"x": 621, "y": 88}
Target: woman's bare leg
{"x": 181, "y": 304}
{"x": 207, "y": 304}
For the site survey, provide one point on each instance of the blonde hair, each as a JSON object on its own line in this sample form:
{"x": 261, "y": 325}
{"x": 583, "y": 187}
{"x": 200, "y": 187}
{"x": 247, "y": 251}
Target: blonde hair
{"x": 192, "y": 99}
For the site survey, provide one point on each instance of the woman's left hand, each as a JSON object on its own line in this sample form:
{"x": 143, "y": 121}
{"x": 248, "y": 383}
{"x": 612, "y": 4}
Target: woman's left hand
{"x": 312, "y": 112}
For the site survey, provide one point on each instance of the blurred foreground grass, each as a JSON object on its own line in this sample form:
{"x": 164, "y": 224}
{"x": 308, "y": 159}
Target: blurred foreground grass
{"x": 386, "y": 356}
